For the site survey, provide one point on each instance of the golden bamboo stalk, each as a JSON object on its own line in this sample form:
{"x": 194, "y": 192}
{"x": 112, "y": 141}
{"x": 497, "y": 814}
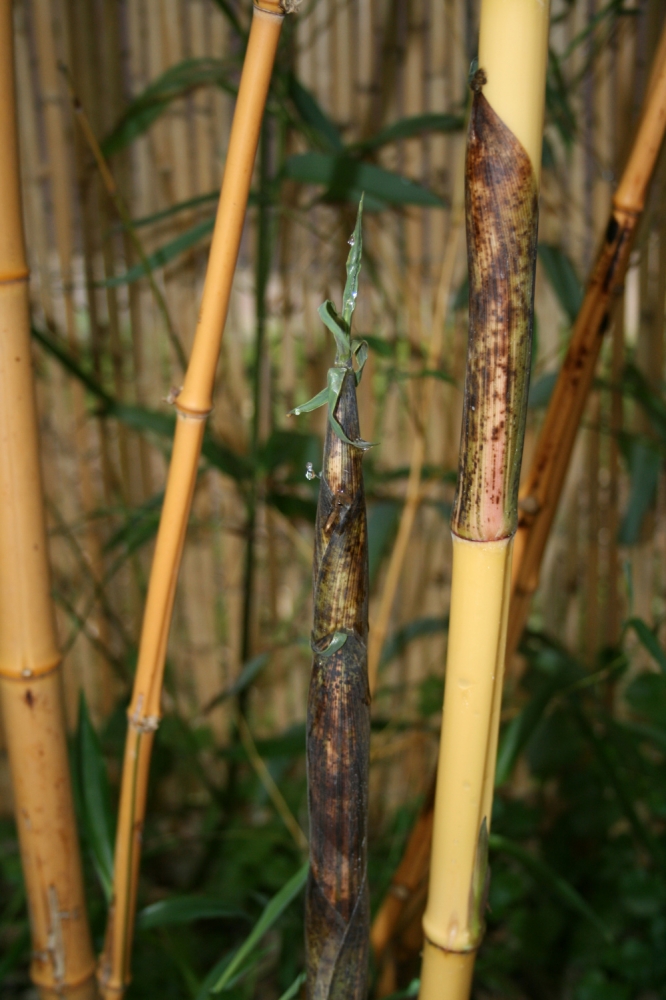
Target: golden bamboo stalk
{"x": 540, "y": 493}
{"x": 503, "y": 167}
{"x": 193, "y": 404}
{"x": 30, "y": 674}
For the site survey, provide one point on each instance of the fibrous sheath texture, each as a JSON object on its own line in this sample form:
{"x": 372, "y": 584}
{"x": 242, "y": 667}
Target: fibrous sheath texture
{"x": 502, "y": 215}
{"x": 338, "y": 723}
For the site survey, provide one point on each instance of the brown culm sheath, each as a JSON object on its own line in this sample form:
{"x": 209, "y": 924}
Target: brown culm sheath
{"x": 502, "y": 215}
{"x": 338, "y": 723}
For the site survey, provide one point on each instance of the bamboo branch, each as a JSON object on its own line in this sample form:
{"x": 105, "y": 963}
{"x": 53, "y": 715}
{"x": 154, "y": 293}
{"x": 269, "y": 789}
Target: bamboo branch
{"x": 30, "y": 663}
{"x": 193, "y": 404}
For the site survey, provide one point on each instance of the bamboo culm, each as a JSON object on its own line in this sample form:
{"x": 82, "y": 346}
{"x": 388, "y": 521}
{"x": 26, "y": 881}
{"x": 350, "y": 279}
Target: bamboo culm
{"x": 338, "y": 716}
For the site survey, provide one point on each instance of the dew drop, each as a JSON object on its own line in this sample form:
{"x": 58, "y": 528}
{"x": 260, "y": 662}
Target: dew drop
{"x": 297, "y": 412}
{"x": 310, "y": 472}
{"x": 351, "y": 241}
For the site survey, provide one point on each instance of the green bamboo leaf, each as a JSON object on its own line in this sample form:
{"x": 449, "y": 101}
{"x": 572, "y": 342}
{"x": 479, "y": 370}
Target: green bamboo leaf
{"x": 408, "y": 128}
{"x": 321, "y": 399}
{"x": 185, "y": 910}
{"x": 336, "y": 643}
{"x": 338, "y": 327}
{"x": 273, "y": 911}
{"x": 175, "y": 82}
{"x": 550, "y": 879}
{"x": 353, "y": 268}
{"x": 563, "y": 278}
{"x": 314, "y": 116}
{"x": 95, "y": 799}
{"x": 541, "y": 391}
{"x": 383, "y": 517}
{"x": 644, "y": 461}
{"x": 649, "y": 640}
{"x": 164, "y": 255}
{"x": 180, "y": 206}
{"x": 347, "y": 178}
{"x": 139, "y": 527}
{"x": 293, "y": 990}
{"x": 58, "y": 349}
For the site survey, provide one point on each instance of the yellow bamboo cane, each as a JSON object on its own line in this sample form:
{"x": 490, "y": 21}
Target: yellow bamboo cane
{"x": 503, "y": 167}
{"x": 542, "y": 486}
{"x": 30, "y": 676}
{"x": 193, "y": 404}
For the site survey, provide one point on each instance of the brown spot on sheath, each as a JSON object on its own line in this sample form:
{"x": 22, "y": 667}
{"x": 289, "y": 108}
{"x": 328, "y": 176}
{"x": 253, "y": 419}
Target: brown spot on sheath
{"x": 502, "y": 214}
{"x": 29, "y": 698}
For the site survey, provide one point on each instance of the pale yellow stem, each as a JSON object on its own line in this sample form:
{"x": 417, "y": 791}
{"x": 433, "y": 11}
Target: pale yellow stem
{"x": 513, "y": 52}
{"x": 477, "y": 630}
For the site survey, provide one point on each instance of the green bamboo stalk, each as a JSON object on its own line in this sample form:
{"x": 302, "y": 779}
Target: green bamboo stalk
{"x": 338, "y": 723}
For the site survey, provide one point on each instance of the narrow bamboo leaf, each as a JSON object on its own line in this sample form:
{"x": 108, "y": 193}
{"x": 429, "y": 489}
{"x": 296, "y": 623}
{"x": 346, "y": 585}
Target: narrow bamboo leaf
{"x": 175, "y": 82}
{"x": 248, "y": 674}
{"x": 347, "y": 178}
{"x": 417, "y": 629}
{"x": 384, "y": 348}
{"x": 340, "y": 330}
{"x": 139, "y": 527}
{"x": 273, "y": 911}
{"x": 563, "y": 279}
{"x": 558, "y": 105}
{"x": 314, "y": 116}
{"x": 353, "y": 268}
{"x": 649, "y": 641}
{"x": 520, "y": 729}
{"x": 550, "y": 879}
{"x": 164, "y": 255}
{"x": 57, "y": 349}
{"x": 218, "y": 969}
{"x": 644, "y": 465}
{"x": 636, "y": 386}
{"x": 185, "y": 910}
{"x": 336, "y": 643}
{"x": 383, "y": 519}
{"x": 180, "y": 206}
{"x": 294, "y": 989}
{"x": 321, "y": 399}
{"x": 407, "y": 128}
{"x": 541, "y": 391}
{"x": 96, "y": 799}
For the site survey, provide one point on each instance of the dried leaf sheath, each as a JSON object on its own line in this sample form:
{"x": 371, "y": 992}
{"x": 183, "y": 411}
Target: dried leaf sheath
{"x": 338, "y": 726}
{"x": 502, "y": 216}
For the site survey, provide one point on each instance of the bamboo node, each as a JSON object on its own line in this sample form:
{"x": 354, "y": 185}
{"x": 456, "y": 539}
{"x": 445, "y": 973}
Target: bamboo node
{"x": 149, "y": 724}
{"x": 9, "y": 277}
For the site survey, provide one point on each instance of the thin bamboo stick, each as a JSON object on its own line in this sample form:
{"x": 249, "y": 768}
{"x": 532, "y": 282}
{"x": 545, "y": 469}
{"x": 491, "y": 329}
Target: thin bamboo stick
{"x": 503, "y": 166}
{"x": 193, "y": 404}
{"x": 30, "y": 674}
